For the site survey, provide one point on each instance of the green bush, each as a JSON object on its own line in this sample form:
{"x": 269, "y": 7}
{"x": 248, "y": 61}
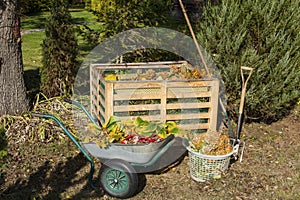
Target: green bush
{"x": 261, "y": 34}
{"x": 33, "y": 6}
{"x": 118, "y": 15}
{"x": 60, "y": 50}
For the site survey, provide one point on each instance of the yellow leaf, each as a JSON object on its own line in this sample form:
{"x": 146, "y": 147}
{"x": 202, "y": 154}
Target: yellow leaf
{"x": 101, "y": 144}
{"x": 86, "y": 140}
{"x": 115, "y": 129}
{"x": 110, "y": 77}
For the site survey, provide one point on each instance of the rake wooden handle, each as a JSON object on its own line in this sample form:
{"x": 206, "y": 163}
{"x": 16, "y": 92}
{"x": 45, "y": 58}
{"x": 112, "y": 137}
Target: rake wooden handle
{"x": 193, "y": 36}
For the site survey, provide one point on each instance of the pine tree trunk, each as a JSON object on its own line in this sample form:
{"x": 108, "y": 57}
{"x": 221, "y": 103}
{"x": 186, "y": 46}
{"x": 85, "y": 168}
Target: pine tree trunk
{"x": 12, "y": 87}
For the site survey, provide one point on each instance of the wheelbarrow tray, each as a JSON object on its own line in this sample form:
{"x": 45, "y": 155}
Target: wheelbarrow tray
{"x": 132, "y": 153}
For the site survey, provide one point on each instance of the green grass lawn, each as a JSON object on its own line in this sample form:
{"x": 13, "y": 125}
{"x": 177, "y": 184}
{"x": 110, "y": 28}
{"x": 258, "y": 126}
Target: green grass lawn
{"x": 82, "y": 16}
{"x": 39, "y": 20}
{"x": 35, "y": 21}
{"x": 32, "y": 50}
{"x": 31, "y": 43}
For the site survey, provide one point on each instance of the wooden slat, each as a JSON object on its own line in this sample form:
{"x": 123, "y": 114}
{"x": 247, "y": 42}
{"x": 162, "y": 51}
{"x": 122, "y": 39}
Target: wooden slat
{"x": 194, "y": 126}
{"x": 109, "y": 99}
{"x": 138, "y": 91}
{"x": 157, "y": 65}
{"x": 136, "y": 84}
{"x": 92, "y": 92}
{"x": 188, "y": 116}
{"x": 145, "y": 117}
{"x": 188, "y": 105}
{"x": 191, "y": 83}
{"x": 189, "y": 95}
{"x": 124, "y": 67}
{"x": 188, "y": 89}
{"x": 163, "y": 101}
{"x": 127, "y": 76}
{"x": 124, "y": 97}
{"x": 214, "y": 106}
{"x": 141, "y": 107}
{"x": 98, "y": 96}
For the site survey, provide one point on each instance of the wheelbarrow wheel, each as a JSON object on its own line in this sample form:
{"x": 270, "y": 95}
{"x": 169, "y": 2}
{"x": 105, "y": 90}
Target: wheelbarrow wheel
{"x": 118, "y": 178}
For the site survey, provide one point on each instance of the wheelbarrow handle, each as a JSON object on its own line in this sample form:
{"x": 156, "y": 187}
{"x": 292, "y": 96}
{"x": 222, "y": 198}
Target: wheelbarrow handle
{"x": 73, "y": 139}
{"x": 38, "y": 115}
{"x": 68, "y": 100}
{"x": 63, "y": 127}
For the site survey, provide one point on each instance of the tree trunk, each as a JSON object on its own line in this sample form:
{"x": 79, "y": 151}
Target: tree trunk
{"x": 12, "y": 87}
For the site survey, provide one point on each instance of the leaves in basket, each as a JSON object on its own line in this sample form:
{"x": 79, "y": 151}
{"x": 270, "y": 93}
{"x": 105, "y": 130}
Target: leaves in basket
{"x": 211, "y": 143}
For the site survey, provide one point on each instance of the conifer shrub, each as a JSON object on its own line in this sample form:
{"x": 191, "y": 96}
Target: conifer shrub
{"x": 60, "y": 50}
{"x": 261, "y": 34}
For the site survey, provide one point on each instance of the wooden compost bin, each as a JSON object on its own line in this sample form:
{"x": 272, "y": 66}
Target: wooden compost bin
{"x": 192, "y": 104}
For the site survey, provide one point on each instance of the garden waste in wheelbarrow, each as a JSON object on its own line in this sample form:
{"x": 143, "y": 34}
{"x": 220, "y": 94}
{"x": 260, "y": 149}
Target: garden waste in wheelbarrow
{"x": 122, "y": 163}
{"x": 133, "y": 153}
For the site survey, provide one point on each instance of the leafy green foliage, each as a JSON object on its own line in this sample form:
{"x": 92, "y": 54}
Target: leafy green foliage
{"x": 34, "y": 6}
{"x": 149, "y": 55}
{"x": 60, "y": 50}
{"x": 261, "y": 34}
{"x": 118, "y": 15}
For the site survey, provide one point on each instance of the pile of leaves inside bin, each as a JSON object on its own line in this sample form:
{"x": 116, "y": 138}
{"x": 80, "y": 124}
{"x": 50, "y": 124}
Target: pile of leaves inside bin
{"x": 175, "y": 72}
{"x": 211, "y": 143}
{"x": 130, "y": 131}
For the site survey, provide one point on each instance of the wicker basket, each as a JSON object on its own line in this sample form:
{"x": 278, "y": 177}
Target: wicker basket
{"x": 206, "y": 167}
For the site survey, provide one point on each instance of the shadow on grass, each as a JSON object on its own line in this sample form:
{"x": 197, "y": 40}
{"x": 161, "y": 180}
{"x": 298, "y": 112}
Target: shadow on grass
{"x": 35, "y": 21}
{"x": 50, "y": 182}
{"x": 32, "y": 83}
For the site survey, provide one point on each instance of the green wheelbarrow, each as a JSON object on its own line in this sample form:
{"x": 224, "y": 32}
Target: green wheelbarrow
{"x": 121, "y": 165}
